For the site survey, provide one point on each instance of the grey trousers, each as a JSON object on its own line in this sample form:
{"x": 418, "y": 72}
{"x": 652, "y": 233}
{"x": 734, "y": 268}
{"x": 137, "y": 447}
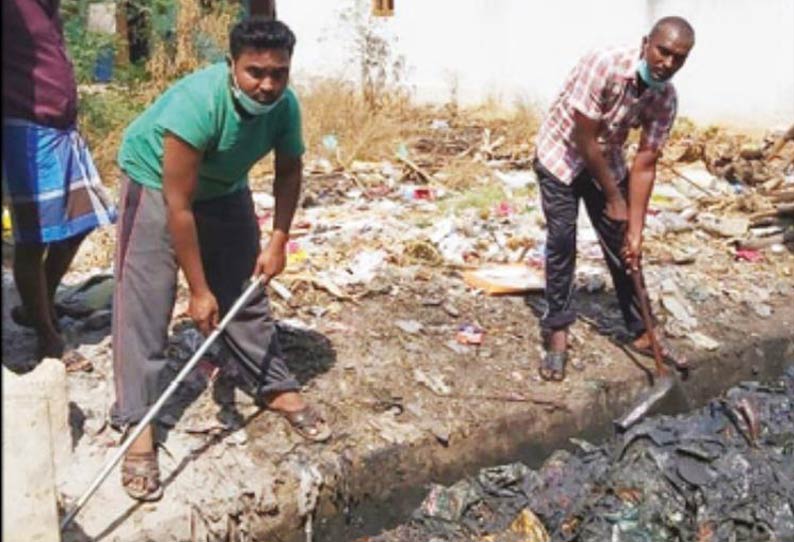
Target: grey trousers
{"x": 145, "y": 293}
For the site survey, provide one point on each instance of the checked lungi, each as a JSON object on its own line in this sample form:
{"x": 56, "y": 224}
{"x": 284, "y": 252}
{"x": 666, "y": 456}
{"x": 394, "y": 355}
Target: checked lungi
{"x": 51, "y": 184}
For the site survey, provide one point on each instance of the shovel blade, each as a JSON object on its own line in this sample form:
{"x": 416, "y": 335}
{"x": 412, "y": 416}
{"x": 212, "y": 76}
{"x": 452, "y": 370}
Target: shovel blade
{"x": 647, "y": 401}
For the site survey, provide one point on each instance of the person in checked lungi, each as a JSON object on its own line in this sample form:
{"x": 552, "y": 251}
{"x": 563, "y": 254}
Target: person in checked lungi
{"x": 50, "y": 184}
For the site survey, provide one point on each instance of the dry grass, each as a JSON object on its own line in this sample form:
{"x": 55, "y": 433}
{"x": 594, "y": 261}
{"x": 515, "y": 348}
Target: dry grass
{"x": 333, "y": 106}
{"x": 166, "y": 66}
{"x": 104, "y": 116}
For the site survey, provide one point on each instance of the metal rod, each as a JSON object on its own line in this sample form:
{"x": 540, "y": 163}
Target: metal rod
{"x": 153, "y": 411}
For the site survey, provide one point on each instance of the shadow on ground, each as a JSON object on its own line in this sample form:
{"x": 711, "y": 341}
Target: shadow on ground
{"x": 599, "y": 310}
{"x": 80, "y": 325}
{"x": 308, "y": 354}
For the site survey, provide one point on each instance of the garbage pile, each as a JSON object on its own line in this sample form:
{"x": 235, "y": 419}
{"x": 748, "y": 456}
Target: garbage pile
{"x": 722, "y": 473}
{"x": 419, "y": 208}
{"x": 461, "y": 214}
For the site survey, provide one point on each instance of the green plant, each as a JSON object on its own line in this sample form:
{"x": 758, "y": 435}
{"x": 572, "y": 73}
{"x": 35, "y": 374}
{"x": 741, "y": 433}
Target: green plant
{"x": 83, "y": 46}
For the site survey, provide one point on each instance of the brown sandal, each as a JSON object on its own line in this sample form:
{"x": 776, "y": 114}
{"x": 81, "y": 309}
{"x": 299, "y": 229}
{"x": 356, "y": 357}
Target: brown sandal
{"x": 75, "y": 362}
{"x": 140, "y": 476}
{"x": 308, "y": 423}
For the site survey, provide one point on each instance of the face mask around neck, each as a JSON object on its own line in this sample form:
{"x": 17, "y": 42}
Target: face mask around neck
{"x": 644, "y": 71}
{"x": 249, "y": 105}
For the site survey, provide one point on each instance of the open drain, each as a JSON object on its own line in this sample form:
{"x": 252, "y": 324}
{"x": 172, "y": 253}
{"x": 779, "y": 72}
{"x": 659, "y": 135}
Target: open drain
{"x": 723, "y": 472}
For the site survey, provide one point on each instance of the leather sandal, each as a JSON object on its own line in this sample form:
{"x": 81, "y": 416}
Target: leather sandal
{"x": 73, "y": 360}
{"x": 552, "y": 367}
{"x": 140, "y": 476}
{"x": 308, "y": 423}
{"x": 76, "y": 362}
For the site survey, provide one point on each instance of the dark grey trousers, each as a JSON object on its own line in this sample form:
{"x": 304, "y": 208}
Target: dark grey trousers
{"x": 145, "y": 293}
{"x": 561, "y": 208}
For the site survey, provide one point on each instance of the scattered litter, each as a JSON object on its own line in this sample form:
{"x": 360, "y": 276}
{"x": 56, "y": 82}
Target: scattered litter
{"x": 311, "y": 480}
{"x": 517, "y": 179}
{"x": 724, "y": 469}
{"x": 409, "y": 326}
{"x": 506, "y": 279}
{"x": 365, "y": 266}
{"x": 263, "y": 202}
{"x": 435, "y": 382}
{"x": 724, "y": 226}
{"x": 395, "y": 432}
{"x": 439, "y": 124}
{"x": 330, "y": 142}
{"x": 456, "y": 347}
{"x": 83, "y": 299}
{"x": 674, "y": 302}
{"x": 418, "y": 193}
{"x": 703, "y": 341}
{"x": 748, "y": 255}
{"x": 470, "y": 334}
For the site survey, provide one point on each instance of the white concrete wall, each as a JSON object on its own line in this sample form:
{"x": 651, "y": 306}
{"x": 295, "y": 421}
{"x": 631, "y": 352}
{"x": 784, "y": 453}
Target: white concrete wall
{"x": 741, "y": 71}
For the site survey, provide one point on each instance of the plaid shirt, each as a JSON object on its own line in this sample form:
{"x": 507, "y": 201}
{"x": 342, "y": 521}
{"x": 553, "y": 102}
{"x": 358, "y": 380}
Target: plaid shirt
{"x": 603, "y": 87}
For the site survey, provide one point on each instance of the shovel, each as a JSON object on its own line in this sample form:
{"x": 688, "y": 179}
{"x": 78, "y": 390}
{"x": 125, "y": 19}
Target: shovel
{"x": 666, "y": 383}
{"x": 241, "y": 301}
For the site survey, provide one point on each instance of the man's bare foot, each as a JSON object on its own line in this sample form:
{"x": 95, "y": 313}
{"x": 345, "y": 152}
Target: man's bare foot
{"x": 285, "y": 401}
{"x": 52, "y": 345}
{"x": 552, "y": 366}
{"x": 642, "y": 345}
{"x": 558, "y": 340}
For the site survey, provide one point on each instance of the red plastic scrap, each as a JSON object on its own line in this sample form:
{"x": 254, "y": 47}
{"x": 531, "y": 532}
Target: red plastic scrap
{"x": 424, "y": 193}
{"x": 504, "y": 209}
{"x": 748, "y": 255}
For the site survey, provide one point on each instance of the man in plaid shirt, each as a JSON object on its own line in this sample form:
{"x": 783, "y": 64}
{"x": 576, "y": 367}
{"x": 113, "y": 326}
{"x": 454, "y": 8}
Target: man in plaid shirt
{"x": 580, "y": 156}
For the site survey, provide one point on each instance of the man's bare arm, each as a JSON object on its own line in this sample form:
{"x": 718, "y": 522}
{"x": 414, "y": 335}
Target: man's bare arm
{"x": 641, "y": 179}
{"x": 286, "y": 190}
{"x": 180, "y": 179}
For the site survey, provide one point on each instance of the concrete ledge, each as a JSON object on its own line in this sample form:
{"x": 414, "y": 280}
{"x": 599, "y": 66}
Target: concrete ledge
{"x": 36, "y": 441}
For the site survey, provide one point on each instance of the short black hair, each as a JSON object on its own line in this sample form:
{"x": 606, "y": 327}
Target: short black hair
{"x": 679, "y": 24}
{"x": 260, "y": 33}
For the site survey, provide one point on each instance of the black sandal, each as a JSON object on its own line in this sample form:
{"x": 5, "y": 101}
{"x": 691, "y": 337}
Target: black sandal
{"x": 552, "y": 367}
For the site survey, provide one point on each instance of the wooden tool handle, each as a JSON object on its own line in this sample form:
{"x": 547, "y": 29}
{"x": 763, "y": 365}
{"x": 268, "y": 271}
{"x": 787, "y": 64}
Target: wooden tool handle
{"x": 636, "y": 276}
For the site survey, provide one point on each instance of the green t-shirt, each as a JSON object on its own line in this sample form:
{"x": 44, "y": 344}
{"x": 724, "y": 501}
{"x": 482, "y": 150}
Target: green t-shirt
{"x": 199, "y": 110}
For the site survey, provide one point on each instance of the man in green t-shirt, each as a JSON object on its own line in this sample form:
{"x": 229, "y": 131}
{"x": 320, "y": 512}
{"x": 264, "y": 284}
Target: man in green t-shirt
{"x": 186, "y": 205}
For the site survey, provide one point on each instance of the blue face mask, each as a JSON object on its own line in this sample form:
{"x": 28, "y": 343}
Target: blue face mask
{"x": 249, "y": 105}
{"x": 644, "y": 72}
